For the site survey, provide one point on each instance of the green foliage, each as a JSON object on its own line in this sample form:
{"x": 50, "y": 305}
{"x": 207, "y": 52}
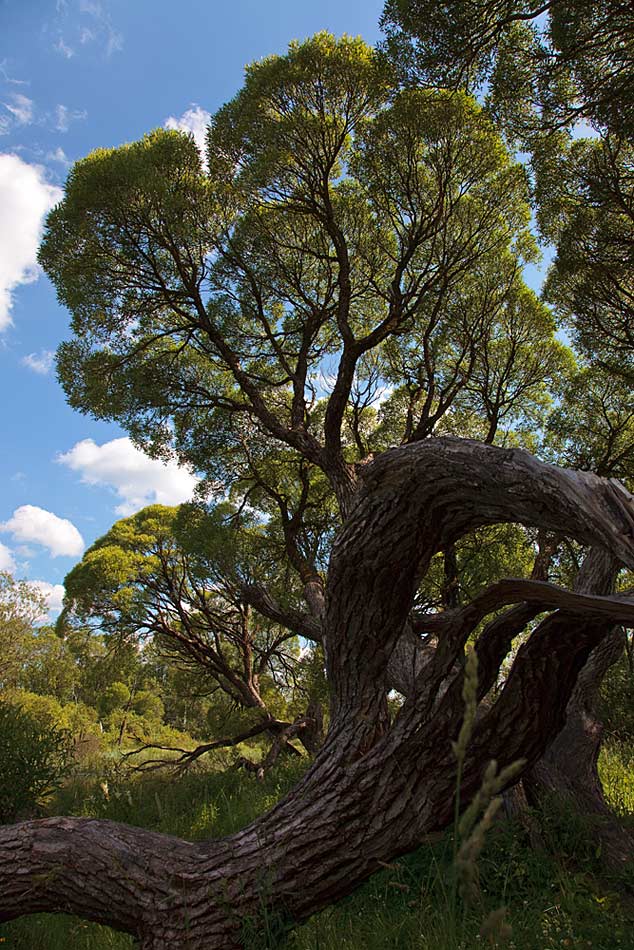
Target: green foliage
{"x": 45, "y": 710}
{"x": 616, "y": 768}
{"x": 78, "y": 719}
{"x": 115, "y": 696}
{"x": 182, "y": 691}
{"x": 590, "y": 282}
{"x": 178, "y": 576}
{"x": 616, "y": 708}
{"x": 592, "y": 428}
{"x": 48, "y": 666}
{"x": 34, "y": 758}
{"x": 21, "y": 606}
{"x": 481, "y": 558}
{"x": 544, "y": 64}
{"x": 318, "y": 166}
{"x": 548, "y": 73}
{"x": 148, "y": 705}
{"x": 120, "y": 577}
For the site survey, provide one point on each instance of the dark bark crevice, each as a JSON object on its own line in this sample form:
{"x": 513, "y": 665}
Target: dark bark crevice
{"x": 569, "y": 771}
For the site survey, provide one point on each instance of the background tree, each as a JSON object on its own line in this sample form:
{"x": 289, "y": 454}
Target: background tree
{"x": 549, "y": 73}
{"x": 21, "y": 607}
{"x": 185, "y": 578}
{"x": 592, "y": 278}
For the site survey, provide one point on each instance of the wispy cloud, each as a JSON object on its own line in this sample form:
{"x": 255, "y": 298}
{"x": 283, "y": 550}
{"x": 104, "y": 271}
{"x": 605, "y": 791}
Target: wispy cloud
{"x": 64, "y": 116}
{"x": 41, "y": 363}
{"x": 93, "y": 7}
{"x": 59, "y": 155}
{"x": 11, "y": 80}
{"x": 20, "y": 111}
{"x": 114, "y": 43}
{"x": 80, "y": 23}
{"x": 63, "y": 48}
{"x": 102, "y": 26}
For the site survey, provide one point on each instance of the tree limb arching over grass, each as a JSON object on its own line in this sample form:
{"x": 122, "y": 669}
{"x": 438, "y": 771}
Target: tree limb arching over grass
{"x": 361, "y": 786}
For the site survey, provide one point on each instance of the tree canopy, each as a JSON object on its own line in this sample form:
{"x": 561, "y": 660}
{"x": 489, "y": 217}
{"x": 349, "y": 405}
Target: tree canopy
{"x": 344, "y": 275}
{"x": 544, "y": 64}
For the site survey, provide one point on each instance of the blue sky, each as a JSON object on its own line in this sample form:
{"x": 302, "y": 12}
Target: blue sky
{"x": 77, "y": 75}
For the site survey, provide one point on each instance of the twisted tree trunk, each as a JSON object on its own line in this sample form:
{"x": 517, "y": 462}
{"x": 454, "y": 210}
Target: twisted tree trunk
{"x": 374, "y": 789}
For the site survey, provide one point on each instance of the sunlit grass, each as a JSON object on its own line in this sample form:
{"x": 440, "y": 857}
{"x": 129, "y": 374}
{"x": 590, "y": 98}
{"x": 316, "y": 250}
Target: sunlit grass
{"x": 616, "y": 768}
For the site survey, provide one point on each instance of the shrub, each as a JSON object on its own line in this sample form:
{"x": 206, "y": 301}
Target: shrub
{"x": 149, "y": 706}
{"x": 33, "y": 760}
{"x": 115, "y": 696}
{"x": 46, "y": 711}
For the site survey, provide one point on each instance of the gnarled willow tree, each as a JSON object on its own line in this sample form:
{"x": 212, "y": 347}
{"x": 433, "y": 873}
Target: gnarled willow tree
{"x": 309, "y": 319}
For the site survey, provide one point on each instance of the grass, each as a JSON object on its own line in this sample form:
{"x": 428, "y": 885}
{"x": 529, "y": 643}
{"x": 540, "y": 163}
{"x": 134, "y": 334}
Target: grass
{"x": 616, "y": 768}
{"x": 555, "y": 898}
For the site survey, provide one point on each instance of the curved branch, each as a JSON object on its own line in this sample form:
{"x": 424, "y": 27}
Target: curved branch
{"x": 294, "y": 620}
{"x": 412, "y": 502}
{"x": 188, "y": 756}
{"x": 515, "y": 590}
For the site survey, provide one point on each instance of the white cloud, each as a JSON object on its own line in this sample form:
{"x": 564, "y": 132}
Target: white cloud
{"x": 195, "y": 121}
{"x": 53, "y": 596}
{"x": 61, "y": 118}
{"x": 81, "y": 22}
{"x": 41, "y": 363}
{"x": 137, "y": 479}
{"x": 60, "y": 536}
{"x": 25, "y": 198}
{"x": 20, "y": 107}
{"x": 7, "y": 562}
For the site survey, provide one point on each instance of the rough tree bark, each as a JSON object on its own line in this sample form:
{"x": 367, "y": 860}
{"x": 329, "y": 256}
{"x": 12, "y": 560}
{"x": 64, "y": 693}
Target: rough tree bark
{"x": 374, "y": 790}
{"x": 569, "y": 767}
